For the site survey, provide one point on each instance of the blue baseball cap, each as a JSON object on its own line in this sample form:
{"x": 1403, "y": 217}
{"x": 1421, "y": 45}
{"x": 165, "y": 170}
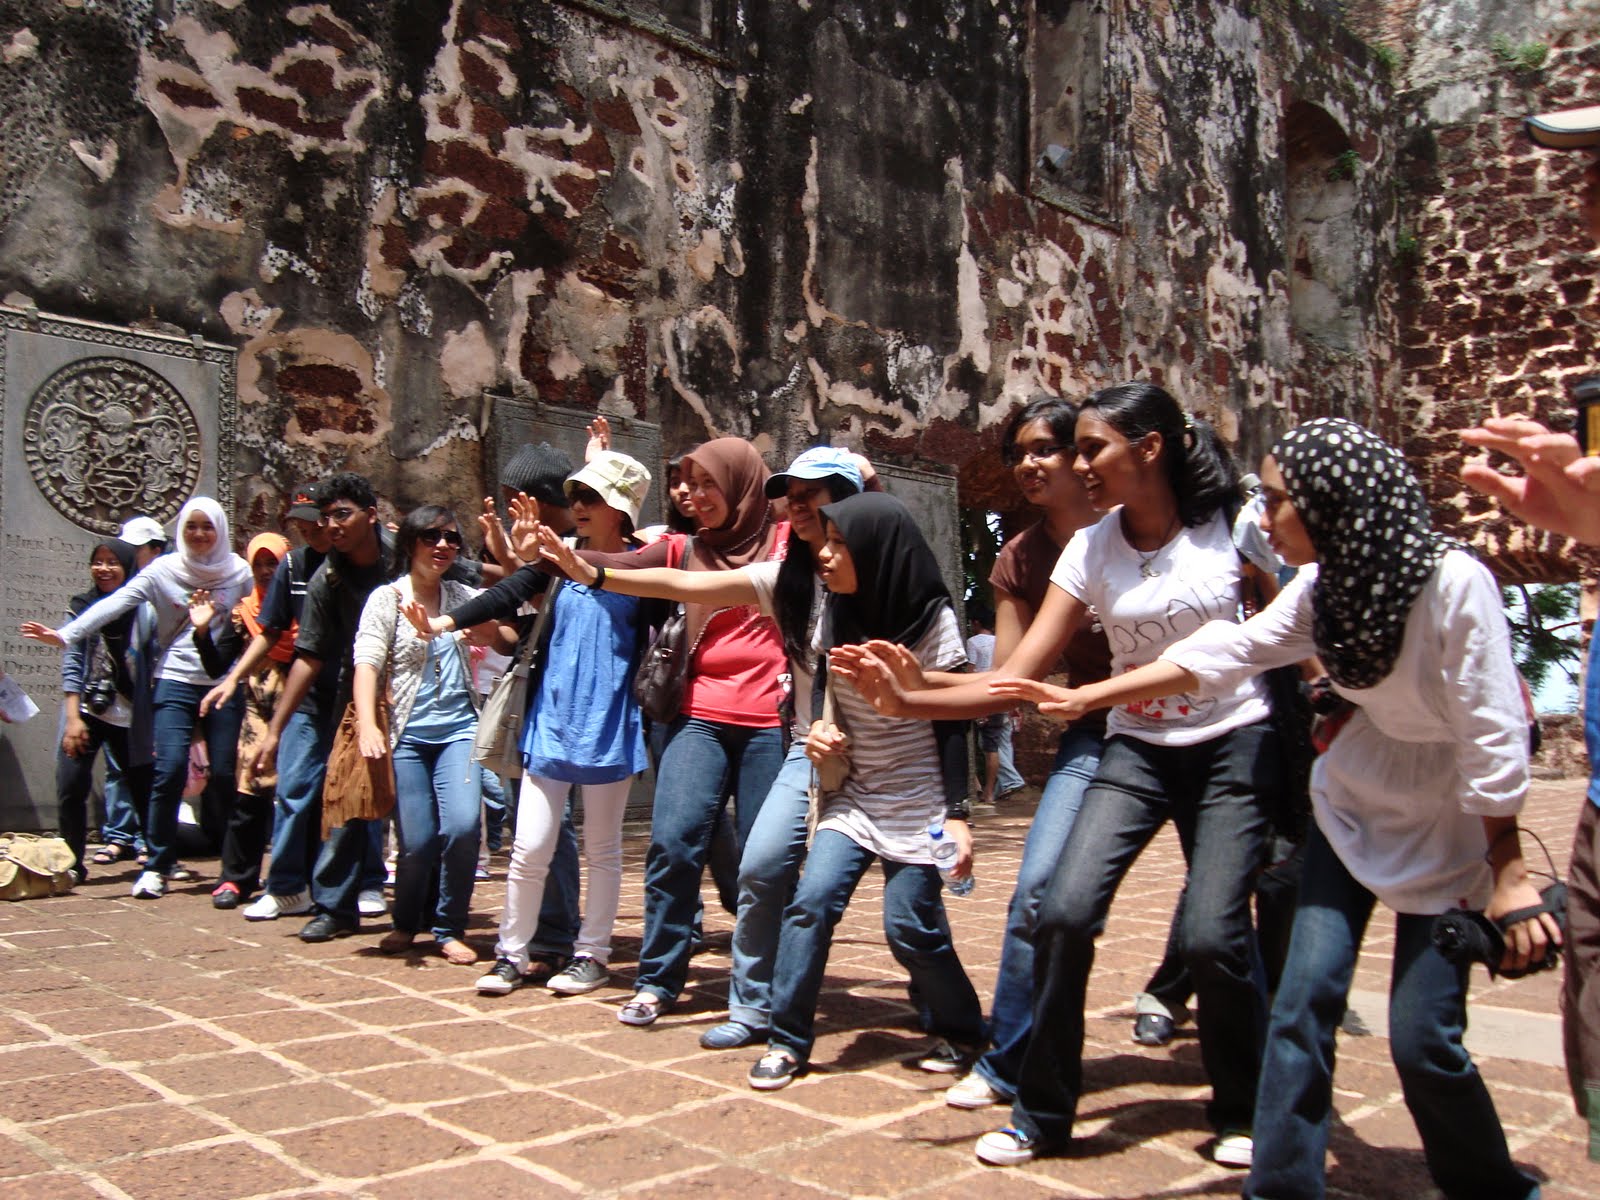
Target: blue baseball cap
{"x": 819, "y": 462}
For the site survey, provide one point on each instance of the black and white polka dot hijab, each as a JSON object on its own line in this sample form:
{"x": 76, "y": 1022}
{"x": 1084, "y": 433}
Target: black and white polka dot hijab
{"x": 1369, "y": 523}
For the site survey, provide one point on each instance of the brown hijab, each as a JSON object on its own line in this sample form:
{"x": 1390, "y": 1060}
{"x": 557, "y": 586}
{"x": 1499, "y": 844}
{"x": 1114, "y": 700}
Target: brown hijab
{"x": 749, "y": 534}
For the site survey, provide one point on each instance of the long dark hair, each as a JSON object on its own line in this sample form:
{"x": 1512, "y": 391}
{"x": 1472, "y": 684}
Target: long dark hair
{"x": 428, "y": 516}
{"x": 796, "y": 588}
{"x": 1202, "y": 473}
{"x": 1060, "y": 415}
{"x": 676, "y": 521}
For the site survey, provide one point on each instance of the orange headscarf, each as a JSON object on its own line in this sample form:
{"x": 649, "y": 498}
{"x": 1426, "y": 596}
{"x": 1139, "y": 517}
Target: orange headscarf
{"x": 248, "y": 610}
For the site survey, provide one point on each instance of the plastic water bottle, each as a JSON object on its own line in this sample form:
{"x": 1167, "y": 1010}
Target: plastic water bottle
{"x": 945, "y": 852}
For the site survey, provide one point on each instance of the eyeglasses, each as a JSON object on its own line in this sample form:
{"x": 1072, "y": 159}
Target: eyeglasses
{"x": 583, "y": 495}
{"x": 450, "y": 537}
{"x": 338, "y": 516}
{"x": 1014, "y": 455}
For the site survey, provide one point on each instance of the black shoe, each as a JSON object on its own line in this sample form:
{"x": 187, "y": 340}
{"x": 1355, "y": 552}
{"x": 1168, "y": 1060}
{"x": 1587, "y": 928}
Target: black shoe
{"x": 1153, "y": 1029}
{"x": 324, "y": 927}
{"x": 226, "y": 896}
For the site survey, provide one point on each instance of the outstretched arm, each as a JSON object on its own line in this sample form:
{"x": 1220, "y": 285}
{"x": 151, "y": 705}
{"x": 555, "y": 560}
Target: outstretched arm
{"x": 1560, "y": 487}
{"x": 717, "y": 588}
{"x": 1149, "y": 682}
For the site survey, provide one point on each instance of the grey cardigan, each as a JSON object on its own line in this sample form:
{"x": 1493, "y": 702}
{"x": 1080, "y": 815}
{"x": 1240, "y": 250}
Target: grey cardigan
{"x": 385, "y": 638}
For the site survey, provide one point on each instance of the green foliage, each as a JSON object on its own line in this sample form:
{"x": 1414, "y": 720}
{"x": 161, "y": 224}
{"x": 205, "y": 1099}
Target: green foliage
{"x": 1345, "y": 166}
{"x": 1545, "y": 633}
{"x": 980, "y": 542}
{"x": 1407, "y": 246}
{"x": 1519, "y": 56}
{"x": 1386, "y": 56}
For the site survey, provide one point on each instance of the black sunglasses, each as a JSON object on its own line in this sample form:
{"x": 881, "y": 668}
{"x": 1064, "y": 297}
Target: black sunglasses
{"x": 450, "y": 537}
{"x": 583, "y": 495}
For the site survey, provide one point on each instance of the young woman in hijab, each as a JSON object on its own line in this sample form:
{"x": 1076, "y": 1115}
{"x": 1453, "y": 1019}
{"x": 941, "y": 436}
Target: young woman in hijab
{"x": 244, "y": 841}
{"x": 790, "y": 592}
{"x": 903, "y": 776}
{"x": 1159, "y": 565}
{"x": 1415, "y": 802}
{"x": 203, "y": 562}
{"x": 105, "y": 702}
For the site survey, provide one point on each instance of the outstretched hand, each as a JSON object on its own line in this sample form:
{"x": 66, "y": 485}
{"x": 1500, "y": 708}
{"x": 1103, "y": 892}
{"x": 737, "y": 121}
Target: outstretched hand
{"x": 40, "y": 632}
{"x": 494, "y": 536}
{"x": 427, "y": 627}
{"x": 1057, "y": 703}
{"x": 202, "y": 610}
{"x": 555, "y": 550}
{"x": 1560, "y": 487}
{"x": 525, "y": 526}
{"x": 882, "y": 672}
{"x": 599, "y": 438}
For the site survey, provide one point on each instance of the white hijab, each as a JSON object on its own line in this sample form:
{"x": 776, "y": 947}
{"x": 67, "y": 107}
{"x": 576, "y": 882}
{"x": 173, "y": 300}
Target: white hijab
{"x": 221, "y": 569}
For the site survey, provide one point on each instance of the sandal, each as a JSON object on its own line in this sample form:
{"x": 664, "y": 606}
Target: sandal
{"x": 643, "y": 1009}
{"x": 457, "y": 953}
{"x": 111, "y": 852}
{"x": 397, "y": 942}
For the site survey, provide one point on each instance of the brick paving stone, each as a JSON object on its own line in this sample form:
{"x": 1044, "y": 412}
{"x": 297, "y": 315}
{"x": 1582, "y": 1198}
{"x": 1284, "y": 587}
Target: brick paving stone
{"x": 741, "y": 1124}
{"x": 847, "y": 1095}
{"x": 293, "y": 1107}
{"x": 219, "y": 1074}
{"x": 614, "y": 1158}
{"x": 739, "y": 1183}
{"x": 35, "y": 1062}
{"x": 285, "y": 1025}
{"x": 482, "y": 1178}
{"x": 348, "y": 1052}
{"x": 376, "y": 1145}
{"x": 858, "y": 1164}
{"x": 548, "y": 1064}
{"x": 514, "y": 1117}
{"x": 99, "y": 1136}
{"x": 15, "y": 1033}
{"x": 17, "y": 1159}
{"x": 65, "y": 1094}
{"x": 640, "y": 1093}
{"x": 54, "y": 1186}
{"x": 235, "y": 1170}
{"x": 420, "y": 1082}
{"x": 156, "y": 1045}
{"x": 470, "y": 1035}
{"x": 391, "y": 1014}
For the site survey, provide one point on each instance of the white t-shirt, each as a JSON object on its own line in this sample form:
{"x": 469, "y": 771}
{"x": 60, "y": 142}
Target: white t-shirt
{"x": 1436, "y": 745}
{"x": 980, "y": 651}
{"x": 1196, "y": 580}
{"x": 895, "y": 788}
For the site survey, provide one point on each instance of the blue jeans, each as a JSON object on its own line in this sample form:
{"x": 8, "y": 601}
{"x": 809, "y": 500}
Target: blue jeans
{"x": 177, "y": 707}
{"x": 767, "y": 872}
{"x": 297, "y": 810}
{"x": 913, "y": 923}
{"x": 693, "y": 777}
{"x": 1461, "y": 1136}
{"x": 1216, "y": 794}
{"x": 436, "y": 816}
{"x": 1006, "y": 776}
{"x": 121, "y": 827}
{"x": 493, "y": 793}
{"x": 1011, "y": 1019}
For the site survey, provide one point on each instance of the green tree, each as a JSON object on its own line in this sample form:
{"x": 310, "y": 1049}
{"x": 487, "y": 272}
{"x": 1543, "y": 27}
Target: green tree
{"x": 1545, "y": 631}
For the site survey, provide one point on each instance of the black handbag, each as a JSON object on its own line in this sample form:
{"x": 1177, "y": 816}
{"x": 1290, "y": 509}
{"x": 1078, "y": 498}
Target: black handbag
{"x": 663, "y": 674}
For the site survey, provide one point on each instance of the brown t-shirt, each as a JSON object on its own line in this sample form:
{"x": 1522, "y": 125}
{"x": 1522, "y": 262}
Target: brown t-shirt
{"x": 1023, "y": 568}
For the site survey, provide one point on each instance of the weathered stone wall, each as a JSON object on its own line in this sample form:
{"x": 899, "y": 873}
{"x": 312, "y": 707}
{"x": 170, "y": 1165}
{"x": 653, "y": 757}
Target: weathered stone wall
{"x": 1500, "y": 280}
{"x": 789, "y": 222}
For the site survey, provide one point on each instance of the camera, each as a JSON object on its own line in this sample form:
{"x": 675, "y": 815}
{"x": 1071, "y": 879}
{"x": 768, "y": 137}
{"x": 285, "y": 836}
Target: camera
{"x": 100, "y": 695}
{"x": 1465, "y": 936}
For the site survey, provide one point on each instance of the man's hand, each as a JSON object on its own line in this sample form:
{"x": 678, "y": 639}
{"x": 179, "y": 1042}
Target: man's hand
{"x": 1559, "y": 489}
{"x": 599, "y": 439}
{"x": 219, "y": 695}
{"x": 267, "y": 754}
{"x": 75, "y": 741}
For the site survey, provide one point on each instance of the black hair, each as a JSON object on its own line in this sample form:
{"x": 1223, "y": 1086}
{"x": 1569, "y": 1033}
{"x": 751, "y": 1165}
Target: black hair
{"x": 796, "y": 588}
{"x": 676, "y": 521}
{"x": 1202, "y": 473}
{"x": 980, "y": 614}
{"x": 1060, "y": 415}
{"x": 347, "y": 485}
{"x": 428, "y": 516}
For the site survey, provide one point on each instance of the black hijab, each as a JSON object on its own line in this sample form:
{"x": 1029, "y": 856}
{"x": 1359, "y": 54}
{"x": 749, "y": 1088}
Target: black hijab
{"x": 1369, "y": 523}
{"x": 899, "y": 590}
{"x": 124, "y": 553}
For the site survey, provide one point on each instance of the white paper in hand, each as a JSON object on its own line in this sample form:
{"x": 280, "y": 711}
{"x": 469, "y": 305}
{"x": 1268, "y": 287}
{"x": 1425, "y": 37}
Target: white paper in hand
{"x": 14, "y": 702}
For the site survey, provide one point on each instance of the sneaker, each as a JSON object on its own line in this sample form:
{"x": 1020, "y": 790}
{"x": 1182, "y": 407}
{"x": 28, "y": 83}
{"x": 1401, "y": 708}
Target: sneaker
{"x": 583, "y": 974}
{"x": 371, "y": 903}
{"x": 181, "y": 874}
{"x": 502, "y": 978}
{"x": 730, "y": 1035}
{"x": 1155, "y": 1023}
{"x": 1233, "y": 1148}
{"x": 149, "y": 886}
{"x": 946, "y": 1058}
{"x": 270, "y": 907}
{"x": 226, "y": 895}
{"x": 643, "y": 1009}
{"x": 773, "y": 1070}
{"x": 1008, "y": 1147}
{"x": 974, "y": 1092}
{"x": 481, "y": 874}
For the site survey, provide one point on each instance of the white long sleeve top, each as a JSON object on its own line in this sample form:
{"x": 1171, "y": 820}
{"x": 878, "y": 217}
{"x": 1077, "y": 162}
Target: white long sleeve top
{"x": 1439, "y": 743}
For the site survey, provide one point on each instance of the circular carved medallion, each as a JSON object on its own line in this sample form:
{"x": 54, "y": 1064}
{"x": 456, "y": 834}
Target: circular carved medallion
{"x": 107, "y": 439}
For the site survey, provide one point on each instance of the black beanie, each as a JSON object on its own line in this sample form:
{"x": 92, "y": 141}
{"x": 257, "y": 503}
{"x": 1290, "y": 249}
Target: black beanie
{"x": 539, "y": 471}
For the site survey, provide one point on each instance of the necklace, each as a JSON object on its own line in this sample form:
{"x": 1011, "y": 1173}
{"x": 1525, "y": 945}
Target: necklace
{"x": 1147, "y": 568}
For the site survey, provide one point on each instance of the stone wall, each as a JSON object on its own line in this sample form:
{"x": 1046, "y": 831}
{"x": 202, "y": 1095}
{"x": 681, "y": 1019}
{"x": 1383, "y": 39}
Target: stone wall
{"x": 791, "y": 222}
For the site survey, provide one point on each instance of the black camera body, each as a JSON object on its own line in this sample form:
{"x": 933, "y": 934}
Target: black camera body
{"x": 99, "y": 696}
{"x": 1465, "y": 936}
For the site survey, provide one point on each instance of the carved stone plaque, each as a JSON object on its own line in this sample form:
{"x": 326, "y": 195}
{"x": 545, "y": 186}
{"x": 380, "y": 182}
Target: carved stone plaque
{"x": 97, "y": 424}
{"x": 514, "y": 423}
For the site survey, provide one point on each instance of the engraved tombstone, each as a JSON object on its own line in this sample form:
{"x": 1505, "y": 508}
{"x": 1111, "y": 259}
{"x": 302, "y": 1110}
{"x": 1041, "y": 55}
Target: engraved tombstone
{"x": 97, "y": 424}
{"x": 514, "y": 423}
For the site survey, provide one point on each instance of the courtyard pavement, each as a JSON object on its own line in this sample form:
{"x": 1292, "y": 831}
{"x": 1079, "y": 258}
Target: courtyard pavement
{"x": 170, "y": 1051}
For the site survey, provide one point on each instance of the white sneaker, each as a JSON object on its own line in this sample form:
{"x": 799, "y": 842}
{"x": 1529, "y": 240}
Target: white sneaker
{"x": 974, "y": 1092}
{"x": 270, "y": 907}
{"x": 371, "y": 903}
{"x": 1235, "y": 1148}
{"x": 149, "y": 886}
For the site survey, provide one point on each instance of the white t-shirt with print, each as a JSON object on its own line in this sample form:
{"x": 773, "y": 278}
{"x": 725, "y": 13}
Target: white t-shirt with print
{"x": 1196, "y": 581}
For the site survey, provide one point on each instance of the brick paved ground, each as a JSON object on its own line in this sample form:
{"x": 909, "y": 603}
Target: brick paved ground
{"x": 169, "y": 1051}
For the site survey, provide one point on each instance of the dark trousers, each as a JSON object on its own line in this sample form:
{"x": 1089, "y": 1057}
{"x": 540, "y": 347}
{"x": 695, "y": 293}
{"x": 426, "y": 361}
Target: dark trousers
{"x": 244, "y": 842}
{"x": 75, "y": 780}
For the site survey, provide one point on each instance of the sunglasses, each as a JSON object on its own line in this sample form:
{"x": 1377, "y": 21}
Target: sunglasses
{"x": 450, "y": 537}
{"x": 583, "y": 495}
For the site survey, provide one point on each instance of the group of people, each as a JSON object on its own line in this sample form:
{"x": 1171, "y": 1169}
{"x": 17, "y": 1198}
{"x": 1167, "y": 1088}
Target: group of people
{"x": 826, "y": 692}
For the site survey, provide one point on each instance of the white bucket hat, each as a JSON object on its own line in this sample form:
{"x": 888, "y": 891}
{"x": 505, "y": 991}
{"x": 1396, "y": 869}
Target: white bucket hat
{"x": 620, "y": 481}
